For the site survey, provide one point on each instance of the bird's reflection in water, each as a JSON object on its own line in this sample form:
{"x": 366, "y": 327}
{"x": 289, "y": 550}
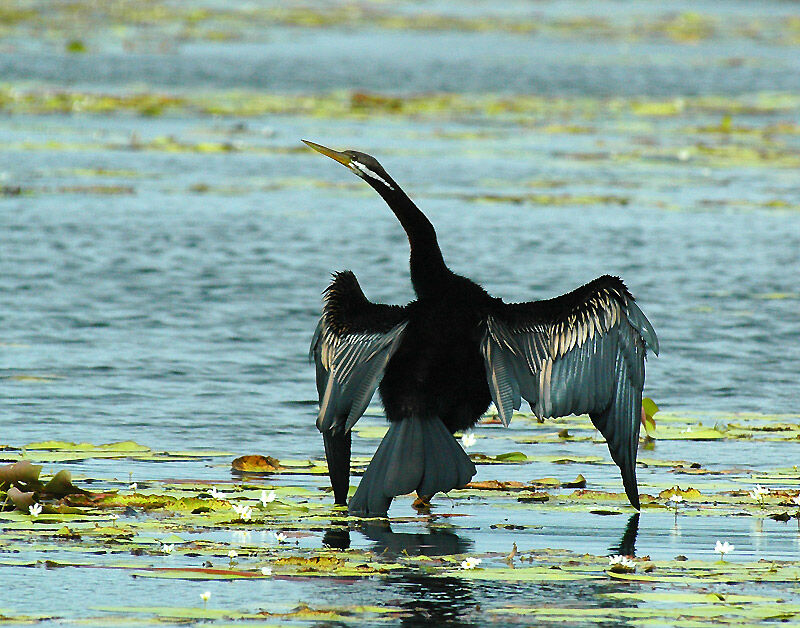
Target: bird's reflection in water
{"x": 627, "y": 544}
{"x": 337, "y": 537}
{"x": 426, "y": 600}
{"x": 435, "y": 542}
{"x": 437, "y": 600}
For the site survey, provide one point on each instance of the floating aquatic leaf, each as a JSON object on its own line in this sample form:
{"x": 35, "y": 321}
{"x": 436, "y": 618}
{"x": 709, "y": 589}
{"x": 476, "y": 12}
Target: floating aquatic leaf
{"x": 650, "y": 408}
{"x": 521, "y": 574}
{"x": 21, "y": 471}
{"x": 701, "y": 433}
{"x": 179, "y": 613}
{"x": 67, "y": 533}
{"x": 75, "y": 46}
{"x": 688, "y": 494}
{"x": 598, "y": 496}
{"x": 578, "y": 482}
{"x": 194, "y": 573}
{"x": 506, "y": 458}
{"x": 256, "y": 464}
{"x": 496, "y": 485}
{"x": 534, "y": 497}
{"x": 61, "y": 485}
{"x": 57, "y": 445}
{"x": 311, "y": 563}
{"x": 371, "y": 431}
{"x": 22, "y": 500}
{"x": 547, "y": 482}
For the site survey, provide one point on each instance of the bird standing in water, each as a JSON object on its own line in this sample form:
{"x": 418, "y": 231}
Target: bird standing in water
{"x": 439, "y": 362}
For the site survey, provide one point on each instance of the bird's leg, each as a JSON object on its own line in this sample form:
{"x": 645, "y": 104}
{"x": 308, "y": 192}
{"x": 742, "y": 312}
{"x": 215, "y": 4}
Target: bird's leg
{"x": 337, "y": 453}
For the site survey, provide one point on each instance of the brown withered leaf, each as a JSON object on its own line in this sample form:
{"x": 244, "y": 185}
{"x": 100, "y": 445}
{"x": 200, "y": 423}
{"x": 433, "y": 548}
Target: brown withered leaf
{"x": 21, "y": 471}
{"x": 496, "y": 485}
{"x": 21, "y": 500}
{"x": 61, "y": 485}
{"x": 256, "y": 464}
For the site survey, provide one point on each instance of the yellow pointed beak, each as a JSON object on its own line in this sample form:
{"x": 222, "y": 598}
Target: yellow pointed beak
{"x": 342, "y": 158}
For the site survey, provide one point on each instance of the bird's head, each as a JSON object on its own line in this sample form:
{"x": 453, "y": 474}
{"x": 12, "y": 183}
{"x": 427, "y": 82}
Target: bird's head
{"x": 361, "y": 164}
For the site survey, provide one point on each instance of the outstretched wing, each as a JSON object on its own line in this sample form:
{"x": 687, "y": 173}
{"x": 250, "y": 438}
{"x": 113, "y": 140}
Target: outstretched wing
{"x": 354, "y": 341}
{"x": 580, "y": 352}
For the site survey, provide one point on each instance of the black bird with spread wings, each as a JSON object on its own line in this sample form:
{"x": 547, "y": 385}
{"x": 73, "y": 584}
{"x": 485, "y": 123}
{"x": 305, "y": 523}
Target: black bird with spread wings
{"x": 439, "y": 362}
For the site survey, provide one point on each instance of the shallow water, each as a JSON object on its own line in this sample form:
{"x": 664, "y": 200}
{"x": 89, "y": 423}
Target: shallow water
{"x": 161, "y": 275}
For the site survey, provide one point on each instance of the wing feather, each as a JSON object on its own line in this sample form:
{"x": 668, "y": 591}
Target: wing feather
{"x": 352, "y": 344}
{"x": 581, "y": 352}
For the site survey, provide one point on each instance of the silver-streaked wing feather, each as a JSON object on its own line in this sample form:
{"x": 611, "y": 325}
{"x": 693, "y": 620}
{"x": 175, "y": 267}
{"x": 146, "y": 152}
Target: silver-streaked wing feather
{"x": 352, "y": 344}
{"x": 583, "y": 352}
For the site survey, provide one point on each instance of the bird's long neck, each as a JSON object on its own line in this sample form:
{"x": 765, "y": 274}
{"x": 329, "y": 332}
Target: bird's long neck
{"x": 429, "y": 273}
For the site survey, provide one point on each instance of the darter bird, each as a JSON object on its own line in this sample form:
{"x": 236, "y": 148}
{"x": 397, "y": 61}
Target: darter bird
{"x": 439, "y": 362}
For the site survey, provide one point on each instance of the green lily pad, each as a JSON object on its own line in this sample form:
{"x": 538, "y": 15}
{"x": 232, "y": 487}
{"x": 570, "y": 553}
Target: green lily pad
{"x": 520, "y": 574}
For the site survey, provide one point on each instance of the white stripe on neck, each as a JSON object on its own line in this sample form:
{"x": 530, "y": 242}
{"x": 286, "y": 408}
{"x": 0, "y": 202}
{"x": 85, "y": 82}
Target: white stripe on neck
{"x": 371, "y": 174}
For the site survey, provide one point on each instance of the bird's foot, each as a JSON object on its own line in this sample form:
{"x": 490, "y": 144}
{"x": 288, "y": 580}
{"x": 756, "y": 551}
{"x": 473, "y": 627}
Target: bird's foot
{"x": 422, "y": 504}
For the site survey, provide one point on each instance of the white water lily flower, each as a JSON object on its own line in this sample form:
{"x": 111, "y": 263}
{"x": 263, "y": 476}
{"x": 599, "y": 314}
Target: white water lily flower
{"x": 468, "y": 440}
{"x": 621, "y": 564}
{"x": 35, "y": 510}
{"x": 245, "y": 512}
{"x": 266, "y": 571}
{"x": 232, "y": 554}
{"x": 676, "y": 499}
{"x": 216, "y": 494}
{"x": 204, "y": 596}
{"x": 796, "y": 500}
{"x": 759, "y": 492}
{"x": 723, "y": 548}
{"x": 470, "y": 562}
{"x": 133, "y": 487}
{"x": 167, "y": 548}
{"x": 280, "y": 537}
{"x": 267, "y": 498}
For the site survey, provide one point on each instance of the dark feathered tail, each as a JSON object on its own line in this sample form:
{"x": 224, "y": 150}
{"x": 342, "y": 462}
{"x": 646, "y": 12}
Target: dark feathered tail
{"x": 416, "y": 454}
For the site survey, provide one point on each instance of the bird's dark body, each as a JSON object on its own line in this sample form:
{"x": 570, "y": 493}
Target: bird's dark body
{"x": 437, "y": 371}
{"x": 439, "y": 362}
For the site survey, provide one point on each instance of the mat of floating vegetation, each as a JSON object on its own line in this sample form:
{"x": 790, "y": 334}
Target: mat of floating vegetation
{"x": 276, "y": 529}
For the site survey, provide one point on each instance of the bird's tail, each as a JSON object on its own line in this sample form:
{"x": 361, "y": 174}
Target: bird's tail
{"x": 416, "y": 454}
